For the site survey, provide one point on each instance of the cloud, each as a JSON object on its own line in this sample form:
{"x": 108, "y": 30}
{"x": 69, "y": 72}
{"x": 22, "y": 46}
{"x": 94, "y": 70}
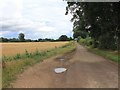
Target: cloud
{"x": 36, "y": 18}
{"x": 11, "y": 8}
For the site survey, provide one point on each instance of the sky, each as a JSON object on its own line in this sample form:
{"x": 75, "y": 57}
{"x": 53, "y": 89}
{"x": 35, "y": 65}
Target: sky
{"x": 35, "y": 18}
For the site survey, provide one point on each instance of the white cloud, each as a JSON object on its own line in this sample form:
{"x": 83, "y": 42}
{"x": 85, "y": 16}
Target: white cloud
{"x": 10, "y": 8}
{"x": 36, "y": 18}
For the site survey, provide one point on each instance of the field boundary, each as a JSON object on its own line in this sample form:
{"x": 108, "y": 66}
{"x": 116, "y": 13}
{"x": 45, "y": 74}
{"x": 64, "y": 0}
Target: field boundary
{"x": 17, "y": 66}
{"x": 105, "y": 54}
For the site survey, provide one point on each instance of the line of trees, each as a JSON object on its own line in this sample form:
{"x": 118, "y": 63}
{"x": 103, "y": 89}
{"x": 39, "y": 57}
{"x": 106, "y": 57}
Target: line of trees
{"x": 100, "y": 21}
{"x": 21, "y": 38}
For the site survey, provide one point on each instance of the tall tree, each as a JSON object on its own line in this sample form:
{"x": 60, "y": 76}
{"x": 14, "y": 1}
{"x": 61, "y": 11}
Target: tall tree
{"x": 63, "y": 38}
{"x": 100, "y": 20}
{"x": 21, "y": 37}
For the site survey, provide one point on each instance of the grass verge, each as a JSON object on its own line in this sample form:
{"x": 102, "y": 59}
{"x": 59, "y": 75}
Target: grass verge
{"x": 19, "y": 63}
{"x": 111, "y": 55}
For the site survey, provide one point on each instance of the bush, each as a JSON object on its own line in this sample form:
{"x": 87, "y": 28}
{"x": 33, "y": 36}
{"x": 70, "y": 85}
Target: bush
{"x": 88, "y": 41}
{"x": 17, "y": 56}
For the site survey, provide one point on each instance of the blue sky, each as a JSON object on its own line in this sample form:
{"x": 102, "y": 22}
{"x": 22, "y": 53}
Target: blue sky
{"x": 35, "y": 18}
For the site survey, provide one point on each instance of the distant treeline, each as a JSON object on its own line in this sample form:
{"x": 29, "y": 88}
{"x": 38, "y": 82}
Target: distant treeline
{"x": 21, "y": 39}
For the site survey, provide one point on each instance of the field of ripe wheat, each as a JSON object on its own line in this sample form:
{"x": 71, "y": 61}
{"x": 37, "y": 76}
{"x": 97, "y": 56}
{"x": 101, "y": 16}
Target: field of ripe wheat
{"x": 10, "y": 49}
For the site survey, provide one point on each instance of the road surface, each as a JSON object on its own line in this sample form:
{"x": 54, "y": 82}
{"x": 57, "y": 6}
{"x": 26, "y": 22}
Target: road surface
{"x": 85, "y": 70}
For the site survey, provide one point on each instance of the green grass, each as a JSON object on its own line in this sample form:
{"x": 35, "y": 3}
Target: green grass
{"x": 18, "y": 63}
{"x": 110, "y": 55}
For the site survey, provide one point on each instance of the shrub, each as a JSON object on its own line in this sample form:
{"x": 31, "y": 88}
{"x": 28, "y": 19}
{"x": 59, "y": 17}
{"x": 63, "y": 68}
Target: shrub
{"x": 88, "y": 41}
{"x": 17, "y": 56}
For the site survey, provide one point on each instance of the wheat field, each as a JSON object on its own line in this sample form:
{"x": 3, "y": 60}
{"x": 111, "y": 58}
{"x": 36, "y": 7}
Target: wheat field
{"x": 10, "y": 49}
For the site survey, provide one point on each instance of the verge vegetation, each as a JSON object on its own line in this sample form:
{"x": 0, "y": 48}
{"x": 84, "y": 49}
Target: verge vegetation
{"x": 111, "y": 55}
{"x": 108, "y": 54}
{"x": 20, "y": 62}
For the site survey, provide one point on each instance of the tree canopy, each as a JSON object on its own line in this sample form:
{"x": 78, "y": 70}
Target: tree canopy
{"x": 21, "y": 37}
{"x": 99, "y": 20}
{"x": 63, "y": 38}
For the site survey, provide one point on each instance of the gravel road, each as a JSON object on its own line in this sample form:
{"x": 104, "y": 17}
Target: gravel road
{"x": 84, "y": 70}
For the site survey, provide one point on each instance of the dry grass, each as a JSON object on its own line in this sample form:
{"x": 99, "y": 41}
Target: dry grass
{"x": 10, "y": 49}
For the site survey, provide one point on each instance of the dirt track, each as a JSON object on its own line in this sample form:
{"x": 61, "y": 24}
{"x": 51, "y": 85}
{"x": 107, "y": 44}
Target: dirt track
{"x": 85, "y": 70}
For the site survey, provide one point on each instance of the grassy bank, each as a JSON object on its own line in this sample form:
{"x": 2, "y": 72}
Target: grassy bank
{"x": 19, "y": 63}
{"x": 108, "y": 54}
{"x": 111, "y": 55}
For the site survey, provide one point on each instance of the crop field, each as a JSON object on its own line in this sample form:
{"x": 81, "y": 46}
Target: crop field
{"x": 15, "y": 63}
{"x": 10, "y": 49}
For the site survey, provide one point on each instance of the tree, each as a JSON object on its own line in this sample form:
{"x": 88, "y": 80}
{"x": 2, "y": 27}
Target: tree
{"x": 70, "y": 38}
{"x": 3, "y": 39}
{"x": 81, "y": 34}
{"x": 13, "y": 40}
{"x": 98, "y": 19}
{"x": 28, "y": 40}
{"x": 40, "y": 39}
{"x": 63, "y": 38}
{"x": 21, "y": 37}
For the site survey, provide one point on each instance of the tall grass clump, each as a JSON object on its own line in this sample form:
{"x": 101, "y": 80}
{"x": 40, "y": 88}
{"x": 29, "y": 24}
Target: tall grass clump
{"x": 27, "y": 53}
{"x": 17, "y": 56}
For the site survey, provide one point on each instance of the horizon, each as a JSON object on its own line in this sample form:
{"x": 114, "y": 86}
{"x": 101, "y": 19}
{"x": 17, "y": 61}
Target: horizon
{"x": 36, "y": 19}
{"x": 36, "y": 38}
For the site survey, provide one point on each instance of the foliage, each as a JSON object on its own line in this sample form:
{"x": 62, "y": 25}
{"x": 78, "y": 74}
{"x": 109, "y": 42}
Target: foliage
{"x": 98, "y": 20}
{"x": 107, "y": 42}
{"x": 3, "y": 39}
{"x": 88, "y": 41}
{"x": 63, "y": 38}
{"x": 106, "y": 54}
{"x": 80, "y": 33}
{"x": 21, "y": 37}
{"x": 8, "y": 40}
{"x": 46, "y": 39}
{"x": 17, "y": 56}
